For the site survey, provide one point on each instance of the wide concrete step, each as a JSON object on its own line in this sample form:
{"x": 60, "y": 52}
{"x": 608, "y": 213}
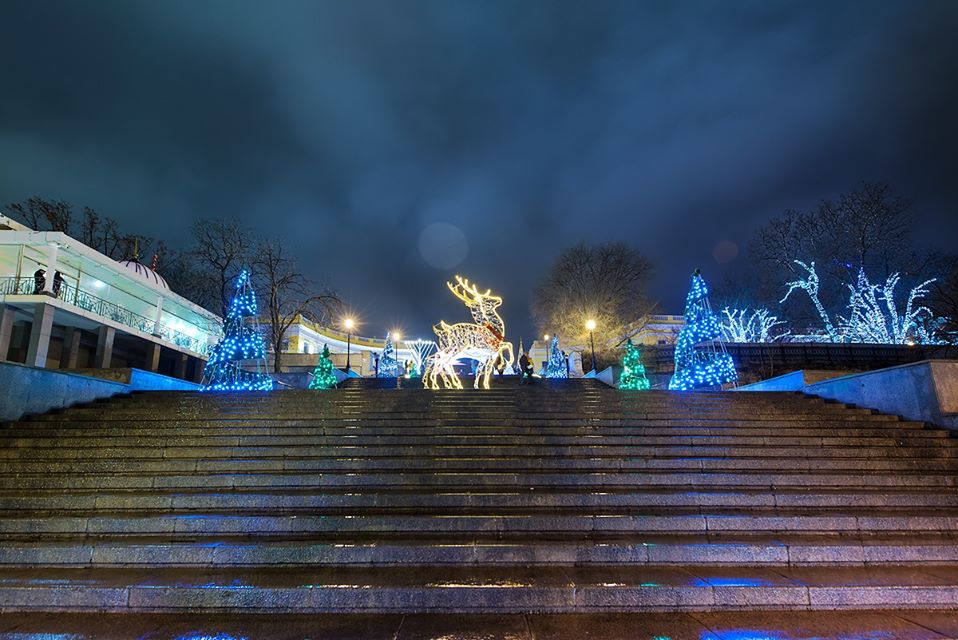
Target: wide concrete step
{"x": 273, "y": 430}
{"x": 319, "y": 463}
{"x": 443, "y": 500}
{"x": 597, "y": 452}
{"x": 280, "y": 524}
{"x": 479, "y": 589}
{"x": 438, "y": 441}
{"x": 477, "y": 480}
{"x": 780, "y": 551}
{"x": 604, "y": 404}
{"x": 492, "y": 411}
{"x": 913, "y": 624}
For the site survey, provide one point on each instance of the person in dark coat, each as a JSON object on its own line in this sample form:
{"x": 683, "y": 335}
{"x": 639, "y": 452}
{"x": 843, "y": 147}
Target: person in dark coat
{"x": 39, "y": 281}
{"x": 57, "y": 283}
{"x": 526, "y": 368}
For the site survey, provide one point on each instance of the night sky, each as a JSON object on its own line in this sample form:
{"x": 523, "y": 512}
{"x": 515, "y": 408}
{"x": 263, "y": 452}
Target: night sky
{"x": 395, "y": 143}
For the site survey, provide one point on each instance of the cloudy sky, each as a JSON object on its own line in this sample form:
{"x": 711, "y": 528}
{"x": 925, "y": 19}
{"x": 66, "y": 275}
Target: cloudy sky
{"x": 395, "y": 143}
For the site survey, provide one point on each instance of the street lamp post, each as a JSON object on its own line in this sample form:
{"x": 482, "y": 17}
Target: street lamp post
{"x": 348, "y": 323}
{"x": 590, "y": 325}
{"x": 545, "y": 348}
{"x": 396, "y": 337}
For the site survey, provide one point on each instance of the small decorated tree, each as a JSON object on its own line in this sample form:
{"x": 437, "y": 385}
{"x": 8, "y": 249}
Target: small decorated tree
{"x": 323, "y": 376}
{"x": 556, "y": 366}
{"x": 633, "y": 371}
{"x": 238, "y": 361}
{"x": 388, "y": 364}
{"x": 707, "y": 365}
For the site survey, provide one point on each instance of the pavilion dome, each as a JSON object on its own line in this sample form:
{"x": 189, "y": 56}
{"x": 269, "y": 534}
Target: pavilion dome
{"x": 145, "y": 273}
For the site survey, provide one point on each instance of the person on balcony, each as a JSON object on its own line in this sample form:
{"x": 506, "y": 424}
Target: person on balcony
{"x": 39, "y": 281}
{"x": 57, "y": 283}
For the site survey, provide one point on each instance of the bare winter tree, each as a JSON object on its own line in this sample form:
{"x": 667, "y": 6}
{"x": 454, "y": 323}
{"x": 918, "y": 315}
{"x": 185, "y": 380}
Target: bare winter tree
{"x": 44, "y": 215}
{"x": 187, "y": 277}
{"x": 605, "y": 283}
{"x": 286, "y": 294}
{"x": 944, "y": 297}
{"x": 866, "y": 228}
{"x": 102, "y": 234}
{"x": 221, "y": 249}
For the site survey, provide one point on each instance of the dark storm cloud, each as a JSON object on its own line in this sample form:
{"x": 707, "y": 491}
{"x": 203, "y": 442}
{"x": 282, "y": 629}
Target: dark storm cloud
{"x": 351, "y": 127}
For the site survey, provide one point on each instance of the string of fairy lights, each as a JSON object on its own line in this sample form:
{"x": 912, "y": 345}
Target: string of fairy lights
{"x": 700, "y": 356}
{"x": 238, "y": 361}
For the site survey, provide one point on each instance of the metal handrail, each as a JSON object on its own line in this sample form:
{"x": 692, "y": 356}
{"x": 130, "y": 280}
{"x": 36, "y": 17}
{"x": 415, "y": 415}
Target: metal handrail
{"x": 11, "y": 286}
{"x": 94, "y": 304}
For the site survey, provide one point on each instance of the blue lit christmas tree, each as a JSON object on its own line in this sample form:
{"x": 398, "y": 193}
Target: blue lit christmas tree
{"x": 633, "y": 371}
{"x": 238, "y": 361}
{"x": 556, "y": 367}
{"x": 388, "y": 364}
{"x": 323, "y": 377}
{"x": 708, "y": 365}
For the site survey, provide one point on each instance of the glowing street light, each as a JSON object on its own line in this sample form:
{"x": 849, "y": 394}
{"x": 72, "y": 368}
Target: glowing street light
{"x": 396, "y": 336}
{"x": 590, "y": 325}
{"x": 545, "y": 348}
{"x": 348, "y": 323}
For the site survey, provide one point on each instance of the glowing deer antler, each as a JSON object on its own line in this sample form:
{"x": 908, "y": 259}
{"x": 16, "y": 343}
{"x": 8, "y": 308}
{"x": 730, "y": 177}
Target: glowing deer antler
{"x": 469, "y": 293}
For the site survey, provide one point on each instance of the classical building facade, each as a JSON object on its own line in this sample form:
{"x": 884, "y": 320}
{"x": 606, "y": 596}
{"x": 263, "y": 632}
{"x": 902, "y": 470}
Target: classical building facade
{"x": 659, "y": 330}
{"x": 64, "y": 305}
{"x": 304, "y": 342}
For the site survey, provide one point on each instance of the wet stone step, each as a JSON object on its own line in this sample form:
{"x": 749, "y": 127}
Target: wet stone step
{"x": 13, "y": 526}
{"x": 911, "y": 624}
{"x": 425, "y": 552}
{"x": 518, "y": 481}
{"x": 320, "y": 463}
{"x": 511, "y": 440}
{"x": 591, "y": 451}
{"x": 443, "y": 499}
{"x": 479, "y": 589}
{"x": 212, "y": 429}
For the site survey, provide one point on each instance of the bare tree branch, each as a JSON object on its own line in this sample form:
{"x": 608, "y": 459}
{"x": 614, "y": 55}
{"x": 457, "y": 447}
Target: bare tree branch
{"x": 606, "y": 283}
{"x": 287, "y": 294}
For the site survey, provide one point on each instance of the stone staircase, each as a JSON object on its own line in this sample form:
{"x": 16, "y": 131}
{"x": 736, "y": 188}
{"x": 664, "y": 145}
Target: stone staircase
{"x": 548, "y": 498}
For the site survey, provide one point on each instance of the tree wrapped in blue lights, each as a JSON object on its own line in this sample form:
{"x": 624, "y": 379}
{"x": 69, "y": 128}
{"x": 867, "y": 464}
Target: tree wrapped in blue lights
{"x": 388, "y": 364}
{"x": 556, "y": 365}
{"x": 238, "y": 361}
{"x": 323, "y": 376}
{"x": 633, "y": 371}
{"x": 708, "y": 365}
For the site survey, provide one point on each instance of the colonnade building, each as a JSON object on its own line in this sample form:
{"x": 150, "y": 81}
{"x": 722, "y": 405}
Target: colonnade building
{"x": 305, "y": 339}
{"x": 97, "y": 313}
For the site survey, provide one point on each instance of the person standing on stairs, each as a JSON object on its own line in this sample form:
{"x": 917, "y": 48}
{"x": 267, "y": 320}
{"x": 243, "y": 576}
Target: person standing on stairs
{"x": 525, "y": 368}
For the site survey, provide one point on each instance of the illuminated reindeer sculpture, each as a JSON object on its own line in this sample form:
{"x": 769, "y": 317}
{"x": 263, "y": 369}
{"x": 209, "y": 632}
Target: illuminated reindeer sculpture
{"x": 483, "y": 341}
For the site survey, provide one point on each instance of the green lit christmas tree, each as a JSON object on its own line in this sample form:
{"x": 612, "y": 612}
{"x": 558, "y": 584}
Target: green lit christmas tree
{"x": 633, "y": 371}
{"x": 323, "y": 377}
